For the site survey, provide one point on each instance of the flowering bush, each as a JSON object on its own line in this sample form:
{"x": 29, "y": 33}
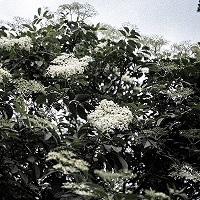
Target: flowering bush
{"x": 9, "y": 44}
{"x": 66, "y": 162}
{"x": 108, "y": 116}
{"x": 26, "y": 88}
{"x": 4, "y": 74}
{"x": 89, "y": 117}
{"x": 67, "y": 65}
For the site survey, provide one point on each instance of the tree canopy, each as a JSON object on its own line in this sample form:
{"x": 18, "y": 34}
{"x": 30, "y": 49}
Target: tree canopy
{"x": 88, "y": 116}
{"x": 198, "y": 8}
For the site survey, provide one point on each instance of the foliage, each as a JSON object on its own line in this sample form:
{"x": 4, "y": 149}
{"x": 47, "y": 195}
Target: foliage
{"x": 53, "y": 145}
{"x": 198, "y": 8}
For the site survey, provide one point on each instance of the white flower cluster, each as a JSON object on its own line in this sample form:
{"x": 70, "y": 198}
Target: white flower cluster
{"x": 179, "y": 93}
{"x": 67, "y": 163}
{"x": 168, "y": 67}
{"x": 22, "y": 43}
{"x": 27, "y": 87}
{"x": 111, "y": 176}
{"x": 115, "y": 179}
{"x": 67, "y": 65}
{"x": 144, "y": 70}
{"x": 41, "y": 123}
{"x": 4, "y": 74}
{"x": 108, "y": 116}
{"x": 187, "y": 172}
{"x": 79, "y": 189}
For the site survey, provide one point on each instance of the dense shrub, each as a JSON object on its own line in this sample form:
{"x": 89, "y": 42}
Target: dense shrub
{"x": 86, "y": 117}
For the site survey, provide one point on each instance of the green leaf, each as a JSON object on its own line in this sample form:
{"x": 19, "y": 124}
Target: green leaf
{"x": 97, "y": 26}
{"x": 37, "y": 171}
{"x": 45, "y": 14}
{"x": 147, "y": 144}
{"x": 123, "y": 33}
{"x": 28, "y": 26}
{"x": 82, "y": 97}
{"x": 98, "y": 189}
{"x": 117, "y": 149}
{"x": 132, "y": 43}
{"x": 47, "y": 135}
{"x": 20, "y": 107}
{"x": 108, "y": 147}
{"x": 58, "y": 195}
{"x": 101, "y": 158}
{"x": 31, "y": 159}
{"x": 159, "y": 121}
{"x": 145, "y": 48}
{"x": 132, "y": 197}
{"x": 14, "y": 169}
{"x": 41, "y": 99}
{"x": 73, "y": 108}
{"x": 71, "y": 94}
{"x": 88, "y": 106}
{"x": 183, "y": 196}
{"x": 52, "y": 97}
{"x": 9, "y": 111}
{"x": 81, "y": 111}
{"x": 119, "y": 196}
{"x": 38, "y": 21}
{"x": 39, "y": 11}
{"x": 134, "y": 34}
{"x": 121, "y": 44}
{"x": 127, "y": 29}
{"x": 123, "y": 163}
{"x": 196, "y": 109}
{"x": 78, "y": 177}
{"x": 57, "y": 86}
{"x": 24, "y": 177}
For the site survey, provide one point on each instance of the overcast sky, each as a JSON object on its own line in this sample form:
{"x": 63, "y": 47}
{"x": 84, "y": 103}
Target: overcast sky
{"x": 175, "y": 20}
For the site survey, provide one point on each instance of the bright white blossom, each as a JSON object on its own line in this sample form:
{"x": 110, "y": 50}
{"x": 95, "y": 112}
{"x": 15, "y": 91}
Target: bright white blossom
{"x": 84, "y": 193}
{"x": 25, "y": 43}
{"x": 4, "y": 74}
{"x": 108, "y": 116}
{"x": 144, "y": 70}
{"x": 27, "y": 87}
{"x": 67, "y": 65}
{"x": 66, "y": 162}
{"x": 11, "y": 43}
{"x": 111, "y": 176}
{"x": 64, "y": 169}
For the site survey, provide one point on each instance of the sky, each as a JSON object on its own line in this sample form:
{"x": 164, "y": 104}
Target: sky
{"x": 175, "y": 20}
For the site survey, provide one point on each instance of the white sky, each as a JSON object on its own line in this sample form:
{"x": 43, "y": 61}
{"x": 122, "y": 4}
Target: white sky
{"x": 175, "y": 20}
